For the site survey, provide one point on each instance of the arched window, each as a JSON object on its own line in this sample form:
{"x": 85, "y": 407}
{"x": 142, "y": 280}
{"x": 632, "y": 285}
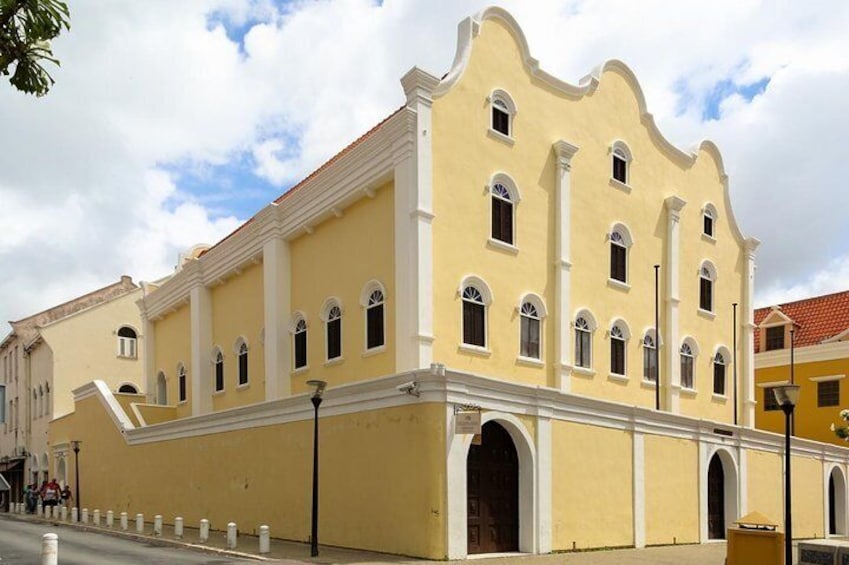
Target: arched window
{"x": 299, "y": 342}
{"x": 709, "y": 220}
{"x": 707, "y": 278}
{"x": 161, "y": 389}
{"x": 620, "y": 241}
{"x": 502, "y": 214}
{"x": 373, "y": 299}
{"x": 620, "y": 162}
{"x": 688, "y": 377}
{"x": 218, "y": 362}
{"x": 474, "y": 317}
{"x": 181, "y": 382}
{"x": 531, "y": 322}
{"x": 242, "y": 352}
{"x": 128, "y": 388}
{"x": 649, "y": 358}
{"x": 619, "y": 334}
{"x": 584, "y": 326}
{"x": 719, "y": 373}
{"x": 503, "y": 109}
{"x": 127, "y": 342}
{"x": 333, "y": 329}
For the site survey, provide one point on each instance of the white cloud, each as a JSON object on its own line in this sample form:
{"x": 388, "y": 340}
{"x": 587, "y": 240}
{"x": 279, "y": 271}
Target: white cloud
{"x": 158, "y": 86}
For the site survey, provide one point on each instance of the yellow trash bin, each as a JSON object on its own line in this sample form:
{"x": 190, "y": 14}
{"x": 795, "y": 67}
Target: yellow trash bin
{"x": 755, "y": 540}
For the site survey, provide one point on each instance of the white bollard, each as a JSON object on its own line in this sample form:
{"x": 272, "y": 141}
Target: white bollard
{"x": 178, "y": 527}
{"x": 64, "y": 512}
{"x": 54, "y": 512}
{"x": 124, "y": 522}
{"x": 110, "y": 518}
{"x": 157, "y": 525}
{"x": 38, "y": 510}
{"x": 97, "y": 517}
{"x": 204, "y": 530}
{"x": 75, "y": 514}
{"x": 85, "y": 515}
{"x": 231, "y": 535}
{"x": 49, "y": 549}
{"x": 264, "y": 540}
{"x": 140, "y": 523}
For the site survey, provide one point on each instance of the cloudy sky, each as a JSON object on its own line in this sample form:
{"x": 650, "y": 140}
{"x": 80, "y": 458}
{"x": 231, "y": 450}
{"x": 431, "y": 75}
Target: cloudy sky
{"x": 173, "y": 121}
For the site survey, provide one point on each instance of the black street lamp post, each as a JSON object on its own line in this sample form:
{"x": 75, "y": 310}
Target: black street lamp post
{"x": 316, "y": 402}
{"x": 75, "y": 445}
{"x": 787, "y": 396}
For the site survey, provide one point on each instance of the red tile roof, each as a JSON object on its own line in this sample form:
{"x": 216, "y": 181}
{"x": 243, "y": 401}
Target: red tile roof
{"x": 816, "y": 319}
{"x": 306, "y": 179}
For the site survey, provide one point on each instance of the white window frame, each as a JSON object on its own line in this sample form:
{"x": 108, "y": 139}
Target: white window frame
{"x": 367, "y": 302}
{"x": 330, "y": 312}
{"x": 620, "y": 150}
{"x": 592, "y": 325}
{"x": 237, "y": 351}
{"x": 693, "y": 348}
{"x": 182, "y": 384}
{"x": 707, "y": 271}
{"x": 709, "y": 211}
{"x": 726, "y": 357}
{"x": 298, "y": 324}
{"x": 472, "y": 281}
{"x": 537, "y": 303}
{"x": 126, "y": 343}
{"x": 503, "y": 101}
{"x": 620, "y": 235}
{"x": 218, "y": 357}
{"x": 650, "y": 334}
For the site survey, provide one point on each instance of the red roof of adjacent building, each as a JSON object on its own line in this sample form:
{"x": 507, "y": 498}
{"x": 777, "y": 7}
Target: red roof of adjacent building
{"x": 816, "y": 319}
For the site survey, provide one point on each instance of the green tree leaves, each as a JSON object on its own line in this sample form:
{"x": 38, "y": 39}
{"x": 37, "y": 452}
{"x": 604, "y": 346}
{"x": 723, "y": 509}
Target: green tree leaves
{"x": 26, "y": 29}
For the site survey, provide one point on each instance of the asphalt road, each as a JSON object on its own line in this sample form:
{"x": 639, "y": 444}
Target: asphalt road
{"x": 20, "y": 544}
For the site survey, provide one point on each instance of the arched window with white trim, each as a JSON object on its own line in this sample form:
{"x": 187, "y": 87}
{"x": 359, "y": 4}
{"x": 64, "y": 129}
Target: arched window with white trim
{"x": 127, "y": 342}
{"x": 687, "y": 354}
{"x": 650, "y": 357}
{"x": 619, "y": 335}
{"x": 531, "y": 314}
{"x": 241, "y": 350}
{"x": 218, "y": 362}
{"x": 620, "y": 242}
{"x": 709, "y": 217}
{"x": 298, "y": 329}
{"x": 585, "y": 325}
{"x": 474, "y": 317}
{"x": 181, "y": 383}
{"x": 707, "y": 282}
{"x": 620, "y": 156}
{"x": 161, "y": 389}
{"x": 720, "y": 371}
{"x": 502, "y": 112}
{"x": 332, "y": 317}
{"x": 373, "y": 299}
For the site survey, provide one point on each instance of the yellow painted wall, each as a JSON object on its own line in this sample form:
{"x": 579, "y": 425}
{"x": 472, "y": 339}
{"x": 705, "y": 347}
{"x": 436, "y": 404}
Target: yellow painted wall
{"x": 591, "y": 494}
{"x": 764, "y": 484}
{"x": 382, "y": 476}
{"x": 155, "y": 414}
{"x": 338, "y": 259}
{"x": 808, "y": 499}
{"x": 173, "y": 346}
{"x": 237, "y": 311}
{"x": 671, "y": 490}
{"x": 812, "y": 422}
{"x": 465, "y": 157}
{"x": 85, "y": 347}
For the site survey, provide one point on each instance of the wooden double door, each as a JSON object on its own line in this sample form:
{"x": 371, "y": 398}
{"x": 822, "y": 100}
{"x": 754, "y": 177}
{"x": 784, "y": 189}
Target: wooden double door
{"x": 493, "y": 492}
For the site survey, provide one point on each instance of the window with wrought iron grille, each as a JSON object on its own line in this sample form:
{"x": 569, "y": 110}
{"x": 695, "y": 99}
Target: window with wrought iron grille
{"x": 828, "y": 393}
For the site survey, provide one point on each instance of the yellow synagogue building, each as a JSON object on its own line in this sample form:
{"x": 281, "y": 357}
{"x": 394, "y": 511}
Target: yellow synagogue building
{"x": 489, "y": 248}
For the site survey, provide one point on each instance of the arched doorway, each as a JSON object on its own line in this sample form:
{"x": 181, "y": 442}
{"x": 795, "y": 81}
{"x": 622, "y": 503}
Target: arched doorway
{"x": 716, "y": 499}
{"x": 836, "y": 503}
{"x": 492, "y": 471}
{"x": 61, "y": 471}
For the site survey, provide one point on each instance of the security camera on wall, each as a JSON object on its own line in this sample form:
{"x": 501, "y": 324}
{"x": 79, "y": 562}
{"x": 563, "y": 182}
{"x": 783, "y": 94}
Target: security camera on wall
{"x": 411, "y": 388}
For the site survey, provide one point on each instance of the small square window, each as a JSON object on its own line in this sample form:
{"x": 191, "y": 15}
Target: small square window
{"x": 775, "y": 338}
{"x": 828, "y": 393}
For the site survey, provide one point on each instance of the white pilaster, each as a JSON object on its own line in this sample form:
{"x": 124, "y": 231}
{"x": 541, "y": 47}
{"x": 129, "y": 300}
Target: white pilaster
{"x": 562, "y": 268}
{"x": 201, "y": 370}
{"x": 544, "y": 472}
{"x": 703, "y": 491}
{"x": 639, "y": 487}
{"x": 747, "y": 372}
{"x": 743, "y": 482}
{"x": 413, "y": 230}
{"x": 674, "y": 205}
{"x": 277, "y": 301}
{"x": 148, "y": 356}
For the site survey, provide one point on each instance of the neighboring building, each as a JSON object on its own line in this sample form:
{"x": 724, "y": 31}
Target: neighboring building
{"x": 820, "y": 336}
{"x": 488, "y": 247}
{"x": 49, "y": 354}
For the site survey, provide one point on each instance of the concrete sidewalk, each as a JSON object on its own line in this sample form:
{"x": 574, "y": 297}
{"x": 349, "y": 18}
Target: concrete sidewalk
{"x": 294, "y": 553}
